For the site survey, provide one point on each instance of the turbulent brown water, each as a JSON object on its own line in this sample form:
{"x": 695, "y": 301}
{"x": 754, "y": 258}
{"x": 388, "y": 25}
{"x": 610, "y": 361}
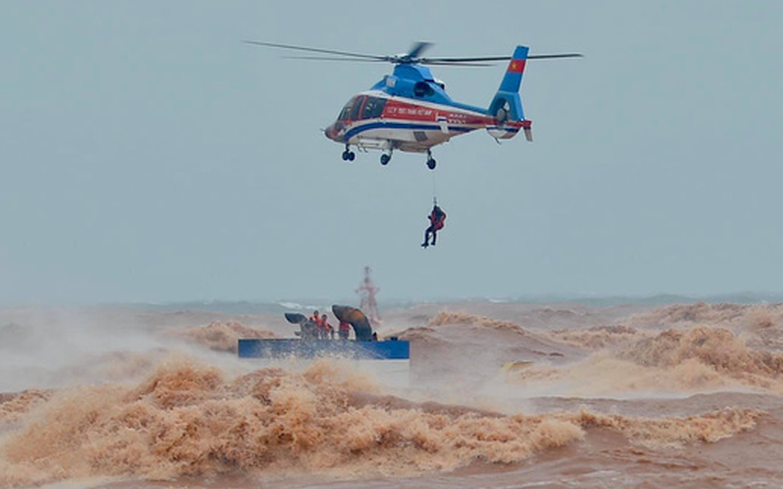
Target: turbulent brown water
{"x": 500, "y": 395}
{"x": 220, "y": 336}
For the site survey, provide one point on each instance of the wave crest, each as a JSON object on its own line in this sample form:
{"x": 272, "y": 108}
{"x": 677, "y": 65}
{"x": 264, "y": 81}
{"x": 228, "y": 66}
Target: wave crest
{"x": 187, "y": 419}
{"x": 220, "y": 336}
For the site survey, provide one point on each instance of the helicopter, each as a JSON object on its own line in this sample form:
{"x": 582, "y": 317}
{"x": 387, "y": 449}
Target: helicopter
{"x": 409, "y": 109}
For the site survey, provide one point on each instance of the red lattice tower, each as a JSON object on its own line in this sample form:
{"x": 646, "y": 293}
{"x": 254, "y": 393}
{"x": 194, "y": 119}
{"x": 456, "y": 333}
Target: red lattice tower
{"x": 367, "y": 291}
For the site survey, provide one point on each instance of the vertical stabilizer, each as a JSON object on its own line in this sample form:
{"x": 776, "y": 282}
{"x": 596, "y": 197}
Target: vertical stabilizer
{"x": 516, "y": 68}
{"x": 506, "y": 105}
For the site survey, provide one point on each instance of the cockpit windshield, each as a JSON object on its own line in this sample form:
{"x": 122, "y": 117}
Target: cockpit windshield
{"x": 362, "y": 107}
{"x": 345, "y": 114}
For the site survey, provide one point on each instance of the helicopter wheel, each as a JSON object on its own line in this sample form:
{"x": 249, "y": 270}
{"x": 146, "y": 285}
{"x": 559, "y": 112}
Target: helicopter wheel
{"x": 345, "y": 156}
{"x": 385, "y": 159}
{"x": 351, "y": 155}
{"x": 431, "y": 163}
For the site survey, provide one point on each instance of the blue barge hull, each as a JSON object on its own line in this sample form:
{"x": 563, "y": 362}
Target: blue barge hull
{"x": 364, "y": 350}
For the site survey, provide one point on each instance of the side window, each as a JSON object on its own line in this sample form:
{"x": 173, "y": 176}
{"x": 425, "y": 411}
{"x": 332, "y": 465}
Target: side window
{"x": 357, "y": 105}
{"x": 373, "y": 108}
{"x": 422, "y": 89}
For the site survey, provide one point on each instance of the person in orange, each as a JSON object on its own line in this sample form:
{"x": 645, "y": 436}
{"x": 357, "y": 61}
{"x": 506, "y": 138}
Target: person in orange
{"x": 437, "y": 219}
{"x": 319, "y": 324}
{"x": 344, "y": 329}
{"x": 328, "y": 329}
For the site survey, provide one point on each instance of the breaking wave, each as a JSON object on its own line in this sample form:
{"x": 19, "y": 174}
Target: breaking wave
{"x": 694, "y": 360}
{"x": 745, "y": 317}
{"x": 465, "y": 319}
{"x": 14, "y": 407}
{"x": 716, "y": 347}
{"x": 599, "y": 337}
{"x": 188, "y": 419}
{"x": 220, "y": 336}
{"x": 699, "y": 313}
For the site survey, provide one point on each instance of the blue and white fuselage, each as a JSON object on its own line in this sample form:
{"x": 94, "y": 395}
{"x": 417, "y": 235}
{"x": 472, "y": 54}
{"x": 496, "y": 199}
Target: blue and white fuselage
{"x": 409, "y": 110}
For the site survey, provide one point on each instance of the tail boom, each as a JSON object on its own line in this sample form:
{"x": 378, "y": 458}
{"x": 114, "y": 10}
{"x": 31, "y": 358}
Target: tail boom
{"x": 511, "y": 129}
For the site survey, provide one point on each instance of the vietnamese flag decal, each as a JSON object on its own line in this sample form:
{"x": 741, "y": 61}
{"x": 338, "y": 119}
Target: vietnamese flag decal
{"x": 516, "y": 66}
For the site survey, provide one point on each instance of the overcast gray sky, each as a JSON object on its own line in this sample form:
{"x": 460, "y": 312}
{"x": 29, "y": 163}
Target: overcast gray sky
{"x": 148, "y": 155}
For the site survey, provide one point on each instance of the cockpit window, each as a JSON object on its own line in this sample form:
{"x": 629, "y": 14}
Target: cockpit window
{"x": 357, "y": 106}
{"x": 373, "y": 107}
{"x": 364, "y": 106}
{"x": 346, "y": 112}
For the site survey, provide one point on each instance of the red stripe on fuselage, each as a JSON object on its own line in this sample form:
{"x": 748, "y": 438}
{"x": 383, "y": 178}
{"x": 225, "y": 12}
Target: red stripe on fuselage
{"x": 405, "y": 111}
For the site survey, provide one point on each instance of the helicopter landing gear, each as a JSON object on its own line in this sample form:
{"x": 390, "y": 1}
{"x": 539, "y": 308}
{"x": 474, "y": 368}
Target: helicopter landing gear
{"x": 348, "y": 155}
{"x": 431, "y": 163}
{"x": 386, "y": 157}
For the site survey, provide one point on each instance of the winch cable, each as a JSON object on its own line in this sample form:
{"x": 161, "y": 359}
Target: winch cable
{"x": 434, "y": 190}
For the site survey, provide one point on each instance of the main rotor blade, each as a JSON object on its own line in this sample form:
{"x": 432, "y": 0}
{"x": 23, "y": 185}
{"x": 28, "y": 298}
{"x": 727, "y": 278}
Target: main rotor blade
{"x": 327, "y": 58}
{"x": 553, "y": 56}
{"x": 418, "y": 48}
{"x": 453, "y": 63}
{"x": 498, "y": 58}
{"x": 464, "y": 60}
{"x": 316, "y": 50}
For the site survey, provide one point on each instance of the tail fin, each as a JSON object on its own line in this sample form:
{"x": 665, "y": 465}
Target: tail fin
{"x": 506, "y": 105}
{"x": 516, "y": 67}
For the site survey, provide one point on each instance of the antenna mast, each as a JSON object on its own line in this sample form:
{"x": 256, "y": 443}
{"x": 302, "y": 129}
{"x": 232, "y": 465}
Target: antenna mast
{"x": 367, "y": 291}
